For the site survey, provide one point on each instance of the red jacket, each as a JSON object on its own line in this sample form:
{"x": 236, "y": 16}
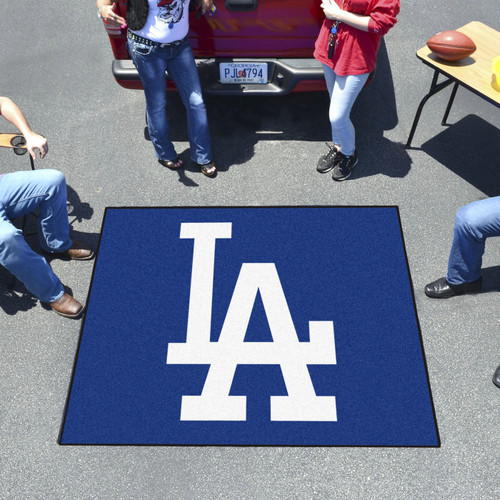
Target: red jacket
{"x": 356, "y": 50}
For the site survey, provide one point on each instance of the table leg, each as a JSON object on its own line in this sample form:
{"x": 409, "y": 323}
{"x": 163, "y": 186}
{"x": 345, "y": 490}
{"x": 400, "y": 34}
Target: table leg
{"x": 435, "y": 88}
{"x": 450, "y": 104}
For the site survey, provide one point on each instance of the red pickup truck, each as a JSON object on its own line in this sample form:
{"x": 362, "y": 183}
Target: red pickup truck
{"x": 246, "y": 47}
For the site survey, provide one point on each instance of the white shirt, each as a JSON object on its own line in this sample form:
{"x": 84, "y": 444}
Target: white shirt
{"x": 168, "y": 21}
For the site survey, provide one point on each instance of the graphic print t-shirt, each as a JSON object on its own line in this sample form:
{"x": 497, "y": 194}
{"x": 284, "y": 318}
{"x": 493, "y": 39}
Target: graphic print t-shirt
{"x": 168, "y": 21}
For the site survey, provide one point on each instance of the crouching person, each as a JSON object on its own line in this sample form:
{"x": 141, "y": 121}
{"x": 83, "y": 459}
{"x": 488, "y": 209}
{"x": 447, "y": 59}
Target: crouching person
{"x": 20, "y": 194}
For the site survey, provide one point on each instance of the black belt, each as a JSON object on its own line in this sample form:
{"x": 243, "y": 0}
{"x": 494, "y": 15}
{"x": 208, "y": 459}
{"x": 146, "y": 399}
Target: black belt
{"x": 147, "y": 41}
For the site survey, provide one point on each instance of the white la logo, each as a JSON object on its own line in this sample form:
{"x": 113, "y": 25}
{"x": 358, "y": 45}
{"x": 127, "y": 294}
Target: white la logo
{"x": 223, "y": 356}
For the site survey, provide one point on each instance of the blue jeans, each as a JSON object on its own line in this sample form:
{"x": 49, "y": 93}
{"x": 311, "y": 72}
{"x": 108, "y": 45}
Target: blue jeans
{"x": 151, "y": 63}
{"x": 343, "y": 92}
{"x": 20, "y": 193}
{"x": 474, "y": 223}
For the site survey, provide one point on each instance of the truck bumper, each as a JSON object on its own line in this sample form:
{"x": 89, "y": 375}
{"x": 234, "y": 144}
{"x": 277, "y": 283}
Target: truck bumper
{"x": 285, "y": 76}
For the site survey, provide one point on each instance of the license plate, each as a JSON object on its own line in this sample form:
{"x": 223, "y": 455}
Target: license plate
{"x": 243, "y": 72}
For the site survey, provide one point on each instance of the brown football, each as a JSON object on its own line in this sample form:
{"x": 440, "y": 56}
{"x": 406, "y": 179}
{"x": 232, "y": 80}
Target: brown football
{"x": 451, "y": 45}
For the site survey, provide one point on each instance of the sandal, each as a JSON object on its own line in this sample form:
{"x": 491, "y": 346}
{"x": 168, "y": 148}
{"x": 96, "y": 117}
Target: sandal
{"x": 173, "y": 164}
{"x": 209, "y": 169}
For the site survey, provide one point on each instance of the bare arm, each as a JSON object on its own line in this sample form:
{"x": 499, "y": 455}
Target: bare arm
{"x": 10, "y": 111}
{"x": 108, "y": 13}
{"x": 334, "y": 12}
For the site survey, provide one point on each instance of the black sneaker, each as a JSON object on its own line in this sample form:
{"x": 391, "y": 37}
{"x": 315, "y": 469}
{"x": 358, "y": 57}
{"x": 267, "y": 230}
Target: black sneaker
{"x": 343, "y": 169}
{"x": 328, "y": 161}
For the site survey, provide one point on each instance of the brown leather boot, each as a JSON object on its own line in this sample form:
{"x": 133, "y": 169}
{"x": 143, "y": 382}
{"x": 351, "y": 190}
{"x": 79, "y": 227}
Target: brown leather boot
{"x": 79, "y": 251}
{"x": 67, "y": 306}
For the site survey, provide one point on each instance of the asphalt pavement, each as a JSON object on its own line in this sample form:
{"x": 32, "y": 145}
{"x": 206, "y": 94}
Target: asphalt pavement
{"x": 56, "y": 65}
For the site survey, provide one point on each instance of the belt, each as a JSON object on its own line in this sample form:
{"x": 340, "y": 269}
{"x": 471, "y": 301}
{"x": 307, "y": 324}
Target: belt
{"x": 147, "y": 41}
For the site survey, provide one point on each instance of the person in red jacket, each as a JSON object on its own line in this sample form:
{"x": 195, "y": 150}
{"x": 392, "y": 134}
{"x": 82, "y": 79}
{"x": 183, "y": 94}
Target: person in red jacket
{"x": 347, "y": 46}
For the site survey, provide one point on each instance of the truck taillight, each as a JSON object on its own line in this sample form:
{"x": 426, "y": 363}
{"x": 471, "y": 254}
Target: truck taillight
{"x": 111, "y": 30}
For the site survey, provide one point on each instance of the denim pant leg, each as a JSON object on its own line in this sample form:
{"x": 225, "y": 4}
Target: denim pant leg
{"x": 343, "y": 92}
{"x": 474, "y": 223}
{"x": 183, "y": 71}
{"x": 23, "y": 192}
{"x": 151, "y": 65}
{"x": 20, "y": 193}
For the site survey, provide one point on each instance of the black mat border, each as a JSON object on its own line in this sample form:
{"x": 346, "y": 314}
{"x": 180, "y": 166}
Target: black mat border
{"x": 181, "y": 207}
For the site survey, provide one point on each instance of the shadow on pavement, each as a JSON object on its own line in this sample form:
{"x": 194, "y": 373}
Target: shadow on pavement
{"x": 471, "y": 149}
{"x": 491, "y": 278}
{"x": 14, "y": 300}
{"x": 375, "y": 112}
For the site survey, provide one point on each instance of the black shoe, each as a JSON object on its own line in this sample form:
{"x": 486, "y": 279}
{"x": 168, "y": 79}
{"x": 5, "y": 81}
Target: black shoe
{"x": 328, "y": 161}
{"x": 496, "y": 377}
{"x": 441, "y": 289}
{"x": 344, "y": 167}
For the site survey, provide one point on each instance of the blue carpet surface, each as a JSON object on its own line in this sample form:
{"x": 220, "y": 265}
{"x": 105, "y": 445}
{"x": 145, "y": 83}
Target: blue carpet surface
{"x": 251, "y": 326}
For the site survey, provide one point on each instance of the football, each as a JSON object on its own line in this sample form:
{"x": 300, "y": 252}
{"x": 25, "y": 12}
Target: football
{"x": 451, "y": 45}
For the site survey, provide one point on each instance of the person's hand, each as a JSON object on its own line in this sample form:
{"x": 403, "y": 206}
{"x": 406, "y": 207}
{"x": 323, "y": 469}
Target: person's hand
{"x": 36, "y": 141}
{"x": 109, "y": 16}
{"x": 332, "y": 10}
{"x": 206, "y": 5}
